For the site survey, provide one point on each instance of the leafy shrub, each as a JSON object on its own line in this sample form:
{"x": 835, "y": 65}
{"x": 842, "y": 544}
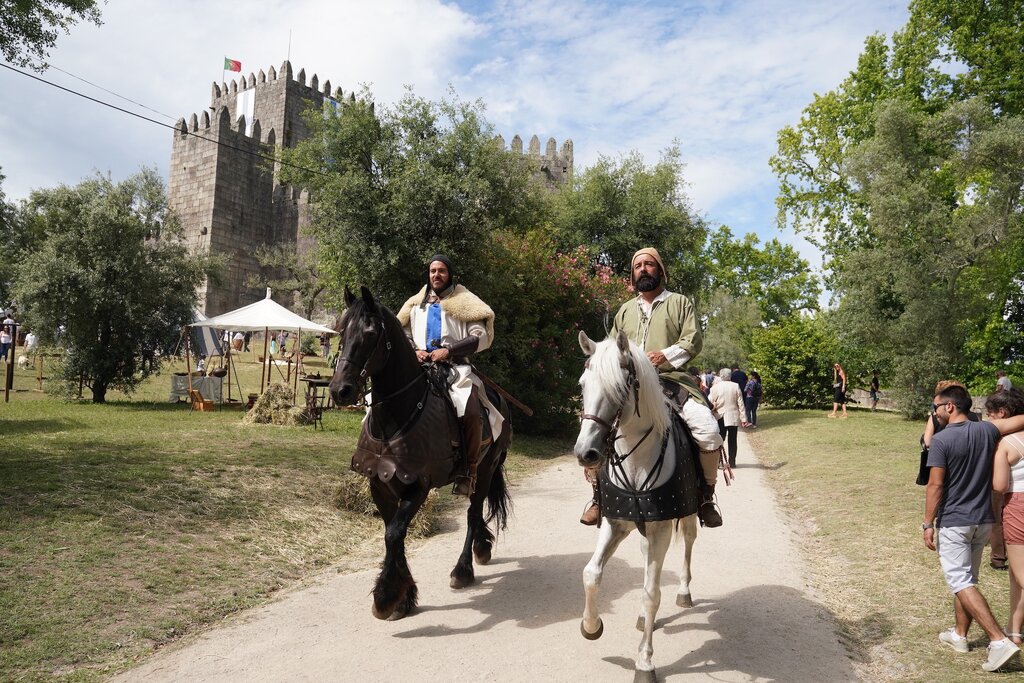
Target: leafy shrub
{"x": 794, "y": 358}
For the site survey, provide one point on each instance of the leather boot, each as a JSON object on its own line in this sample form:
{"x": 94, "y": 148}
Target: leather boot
{"x": 708, "y": 511}
{"x": 472, "y": 433}
{"x": 592, "y": 515}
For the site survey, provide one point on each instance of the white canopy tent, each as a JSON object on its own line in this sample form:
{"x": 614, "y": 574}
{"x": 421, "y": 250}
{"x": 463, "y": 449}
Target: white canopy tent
{"x": 264, "y": 315}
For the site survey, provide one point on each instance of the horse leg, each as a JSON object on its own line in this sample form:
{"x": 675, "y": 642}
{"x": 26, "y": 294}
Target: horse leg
{"x": 395, "y": 582}
{"x": 659, "y": 536}
{"x": 688, "y": 527}
{"x": 610, "y": 536}
{"x": 462, "y": 575}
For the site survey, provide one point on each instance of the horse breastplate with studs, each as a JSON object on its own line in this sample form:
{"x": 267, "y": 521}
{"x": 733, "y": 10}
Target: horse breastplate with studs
{"x": 678, "y": 497}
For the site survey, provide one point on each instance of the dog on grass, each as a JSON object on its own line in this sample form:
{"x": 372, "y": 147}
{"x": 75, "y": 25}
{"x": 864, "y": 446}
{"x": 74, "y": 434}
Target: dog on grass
{"x": 23, "y": 362}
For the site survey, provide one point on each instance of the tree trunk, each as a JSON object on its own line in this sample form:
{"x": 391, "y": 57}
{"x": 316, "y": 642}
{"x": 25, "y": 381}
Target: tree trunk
{"x": 99, "y": 392}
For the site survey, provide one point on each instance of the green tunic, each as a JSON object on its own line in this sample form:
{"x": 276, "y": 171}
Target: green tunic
{"x": 673, "y": 321}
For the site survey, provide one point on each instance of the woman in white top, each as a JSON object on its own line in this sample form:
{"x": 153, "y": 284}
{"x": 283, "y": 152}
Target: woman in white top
{"x": 1008, "y": 482}
{"x": 727, "y": 405}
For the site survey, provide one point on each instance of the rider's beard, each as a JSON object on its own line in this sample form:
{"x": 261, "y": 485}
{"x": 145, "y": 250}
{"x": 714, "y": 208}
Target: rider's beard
{"x": 440, "y": 287}
{"x": 648, "y": 283}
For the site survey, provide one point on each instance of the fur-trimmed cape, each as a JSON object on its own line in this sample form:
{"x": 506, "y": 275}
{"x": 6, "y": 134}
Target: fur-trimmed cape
{"x": 461, "y": 304}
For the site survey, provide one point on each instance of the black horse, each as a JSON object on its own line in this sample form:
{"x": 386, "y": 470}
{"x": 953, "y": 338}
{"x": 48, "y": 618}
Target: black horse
{"x": 409, "y": 420}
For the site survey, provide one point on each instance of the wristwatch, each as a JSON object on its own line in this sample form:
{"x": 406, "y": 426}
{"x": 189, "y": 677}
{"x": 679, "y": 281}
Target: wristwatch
{"x": 927, "y": 525}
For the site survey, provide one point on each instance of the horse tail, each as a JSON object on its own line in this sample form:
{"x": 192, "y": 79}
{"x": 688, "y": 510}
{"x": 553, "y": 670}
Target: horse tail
{"x": 499, "y": 501}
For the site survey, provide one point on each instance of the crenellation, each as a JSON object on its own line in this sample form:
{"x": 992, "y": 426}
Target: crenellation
{"x": 230, "y": 201}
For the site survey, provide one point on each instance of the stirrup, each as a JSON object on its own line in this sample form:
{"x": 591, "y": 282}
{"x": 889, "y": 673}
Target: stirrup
{"x": 591, "y": 514}
{"x": 710, "y": 517}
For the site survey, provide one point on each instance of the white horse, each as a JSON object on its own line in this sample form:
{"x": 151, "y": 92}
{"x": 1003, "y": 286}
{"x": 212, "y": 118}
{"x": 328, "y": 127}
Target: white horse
{"x": 623, "y": 405}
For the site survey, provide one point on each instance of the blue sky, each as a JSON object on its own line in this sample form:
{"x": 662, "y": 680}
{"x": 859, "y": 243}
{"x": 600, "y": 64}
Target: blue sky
{"x": 721, "y": 77}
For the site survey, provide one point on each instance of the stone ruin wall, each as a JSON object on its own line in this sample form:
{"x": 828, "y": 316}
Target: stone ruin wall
{"x": 229, "y": 200}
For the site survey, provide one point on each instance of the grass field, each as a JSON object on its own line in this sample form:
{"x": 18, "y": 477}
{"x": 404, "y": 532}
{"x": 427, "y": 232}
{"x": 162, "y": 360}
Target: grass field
{"x": 848, "y": 486}
{"x": 124, "y": 526}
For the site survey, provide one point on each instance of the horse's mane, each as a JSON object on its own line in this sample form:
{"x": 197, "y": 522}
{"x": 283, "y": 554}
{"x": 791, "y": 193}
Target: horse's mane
{"x": 359, "y": 308}
{"x": 605, "y": 364}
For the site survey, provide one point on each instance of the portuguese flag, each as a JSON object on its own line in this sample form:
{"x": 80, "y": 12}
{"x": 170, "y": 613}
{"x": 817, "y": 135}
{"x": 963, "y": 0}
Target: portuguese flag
{"x": 232, "y": 65}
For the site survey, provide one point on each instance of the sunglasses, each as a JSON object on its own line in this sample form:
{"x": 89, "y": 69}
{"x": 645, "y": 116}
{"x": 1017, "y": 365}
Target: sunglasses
{"x": 936, "y": 407}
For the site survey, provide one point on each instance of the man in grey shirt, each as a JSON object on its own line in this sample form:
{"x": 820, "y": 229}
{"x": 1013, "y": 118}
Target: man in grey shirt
{"x": 958, "y": 515}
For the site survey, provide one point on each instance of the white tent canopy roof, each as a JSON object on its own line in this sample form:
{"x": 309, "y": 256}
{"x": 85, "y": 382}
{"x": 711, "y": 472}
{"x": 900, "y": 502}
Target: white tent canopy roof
{"x": 264, "y": 314}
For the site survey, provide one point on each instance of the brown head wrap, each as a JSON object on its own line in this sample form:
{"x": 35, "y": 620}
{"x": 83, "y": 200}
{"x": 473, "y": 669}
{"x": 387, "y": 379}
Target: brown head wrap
{"x": 653, "y": 253}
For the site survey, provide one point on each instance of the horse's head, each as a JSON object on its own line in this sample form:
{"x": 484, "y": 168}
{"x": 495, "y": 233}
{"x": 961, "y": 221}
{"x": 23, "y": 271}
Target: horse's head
{"x": 618, "y": 383}
{"x": 363, "y": 346}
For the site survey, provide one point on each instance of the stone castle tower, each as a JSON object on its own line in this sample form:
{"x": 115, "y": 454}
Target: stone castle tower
{"x": 223, "y": 184}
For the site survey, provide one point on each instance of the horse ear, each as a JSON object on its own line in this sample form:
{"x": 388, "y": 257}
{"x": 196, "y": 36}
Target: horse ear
{"x": 367, "y": 297}
{"x": 587, "y": 344}
{"x": 350, "y": 298}
{"x": 622, "y": 341}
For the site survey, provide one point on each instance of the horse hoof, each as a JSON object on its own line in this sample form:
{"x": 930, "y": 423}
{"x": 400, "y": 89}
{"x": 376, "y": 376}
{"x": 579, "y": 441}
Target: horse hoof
{"x": 596, "y": 634}
{"x": 458, "y": 582}
{"x": 645, "y": 677}
{"x": 684, "y": 600}
{"x": 382, "y": 614}
{"x": 483, "y": 556}
{"x": 640, "y": 621}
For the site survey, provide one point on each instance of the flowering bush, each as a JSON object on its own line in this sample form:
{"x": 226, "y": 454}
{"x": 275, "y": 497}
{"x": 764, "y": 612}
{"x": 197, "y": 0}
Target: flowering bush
{"x": 543, "y": 298}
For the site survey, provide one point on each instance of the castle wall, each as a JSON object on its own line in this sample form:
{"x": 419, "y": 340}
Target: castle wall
{"x": 228, "y": 198}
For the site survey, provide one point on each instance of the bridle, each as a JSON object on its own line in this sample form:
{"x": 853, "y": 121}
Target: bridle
{"x": 365, "y": 371}
{"x": 632, "y": 383}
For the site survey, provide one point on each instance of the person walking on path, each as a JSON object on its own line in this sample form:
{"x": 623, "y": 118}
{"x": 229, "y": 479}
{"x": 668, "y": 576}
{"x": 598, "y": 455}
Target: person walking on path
{"x": 1008, "y": 504}
{"x": 958, "y": 515}
{"x": 751, "y": 398}
{"x": 727, "y": 405}
{"x": 838, "y": 390}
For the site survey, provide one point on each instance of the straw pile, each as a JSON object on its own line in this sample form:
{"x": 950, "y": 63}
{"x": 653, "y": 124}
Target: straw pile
{"x": 275, "y": 407}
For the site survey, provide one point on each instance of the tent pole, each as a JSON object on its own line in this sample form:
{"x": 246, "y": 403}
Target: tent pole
{"x": 263, "y": 369}
{"x": 227, "y": 366}
{"x": 188, "y": 357}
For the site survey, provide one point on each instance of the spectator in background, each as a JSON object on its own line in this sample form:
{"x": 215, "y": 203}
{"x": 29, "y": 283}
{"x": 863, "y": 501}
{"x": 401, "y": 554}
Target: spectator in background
{"x": 709, "y": 380}
{"x": 325, "y": 345}
{"x": 1008, "y": 503}
{"x": 739, "y": 377}
{"x": 727, "y": 406}
{"x": 6, "y": 341}
{"x": 874, "y": 390}
{"x": 751, "y": 399}
{"x": 31, "y": 342}
{"x": 838, "y": 390}
{"x": 1003, "y": 382}
{"x": 958, "y": 515}
{"x": 245, "y": 341}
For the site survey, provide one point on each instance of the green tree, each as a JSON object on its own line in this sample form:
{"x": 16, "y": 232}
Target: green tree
{"x": 731, "y": 324}
{"x": 618, "y": 206}
{"x": 296, "y": 273}
{"x": 391, "y": 186}
{"x": 774, "y": 276}
{"x": 944, "y": 193}
{"x": 112, "y": 273}
{"x": 795, "y": 358}
{"x": 29, "y": 28}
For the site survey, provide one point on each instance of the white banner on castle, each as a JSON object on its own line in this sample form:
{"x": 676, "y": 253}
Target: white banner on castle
{"x": 247, "y": 108}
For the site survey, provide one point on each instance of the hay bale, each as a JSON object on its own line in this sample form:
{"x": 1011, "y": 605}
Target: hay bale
{"x": 274, "y": 406}
{"x": 352, "y": 494}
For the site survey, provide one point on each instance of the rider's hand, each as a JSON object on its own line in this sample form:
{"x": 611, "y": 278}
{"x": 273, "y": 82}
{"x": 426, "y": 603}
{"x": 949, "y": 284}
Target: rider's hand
{"x": 656, "y": 357}
{"x": 422, "y": 356}
{"x": 438, "y": 355}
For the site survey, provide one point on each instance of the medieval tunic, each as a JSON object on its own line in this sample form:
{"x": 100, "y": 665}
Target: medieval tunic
{"x": 672, "y": 322}
{"x": 461, "y": 314}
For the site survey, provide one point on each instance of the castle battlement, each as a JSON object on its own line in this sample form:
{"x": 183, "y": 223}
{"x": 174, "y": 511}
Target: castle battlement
{"x": 225, "y": 189}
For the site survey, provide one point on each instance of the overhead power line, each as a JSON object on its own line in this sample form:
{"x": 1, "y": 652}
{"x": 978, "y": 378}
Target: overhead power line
{"x": 250, "y": 152}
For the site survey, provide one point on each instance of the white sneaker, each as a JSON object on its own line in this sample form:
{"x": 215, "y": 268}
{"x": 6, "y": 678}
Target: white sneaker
{"x": 954, "y": 640}
{"x": 999, "y": 653}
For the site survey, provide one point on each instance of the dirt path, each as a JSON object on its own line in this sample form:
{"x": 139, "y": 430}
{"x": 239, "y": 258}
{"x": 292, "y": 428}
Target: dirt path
{"x": 753, "y": 619}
